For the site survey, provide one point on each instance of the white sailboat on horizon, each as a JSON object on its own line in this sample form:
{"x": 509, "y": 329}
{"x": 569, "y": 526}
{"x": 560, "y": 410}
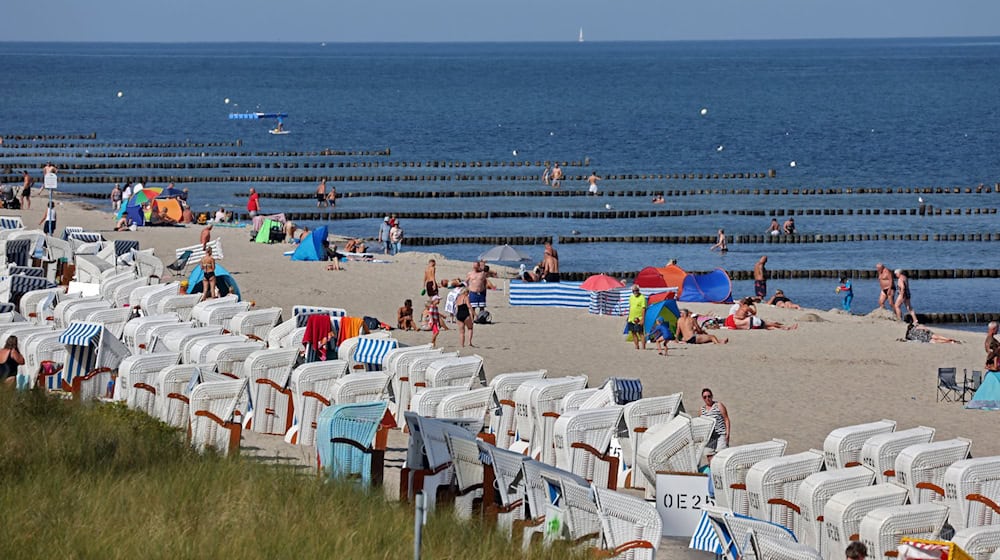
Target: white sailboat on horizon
{"x": 580, "y": 39}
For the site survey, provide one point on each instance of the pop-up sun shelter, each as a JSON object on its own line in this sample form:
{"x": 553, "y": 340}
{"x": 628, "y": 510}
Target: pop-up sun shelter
{"x": 665, "y": 308}
{"x": 223, "y": 281}
{"x": 311, "y": 248}
{"x": 711, "y": 287}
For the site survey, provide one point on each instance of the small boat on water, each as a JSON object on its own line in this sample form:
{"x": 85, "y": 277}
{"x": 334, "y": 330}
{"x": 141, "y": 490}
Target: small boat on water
{"x": 278, "y": 129}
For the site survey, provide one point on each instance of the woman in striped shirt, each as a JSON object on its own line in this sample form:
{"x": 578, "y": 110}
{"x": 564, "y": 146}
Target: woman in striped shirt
{"x": 718, "y": 413}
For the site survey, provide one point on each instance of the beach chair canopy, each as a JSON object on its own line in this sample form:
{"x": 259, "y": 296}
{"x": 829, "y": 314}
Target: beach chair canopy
{"x": 311, "y": 248}
{"x": 223, "y": 280}
{"x": 90, "y": 346}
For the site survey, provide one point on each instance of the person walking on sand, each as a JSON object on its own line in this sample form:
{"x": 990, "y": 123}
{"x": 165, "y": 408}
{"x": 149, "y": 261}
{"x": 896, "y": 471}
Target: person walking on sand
{"x": 636, "y": 316}
{"x": 476, "y": 282}
{"x": 760, "y": 278}
{"x": 48, "y": 221}
{"x": 592, "y": 180}
{"x": 116, "y": 197}
{"x": 206, "y": 237}
{"x": 253, "y": 204}
{"x": 208, "y": 274}
{"x": 903, "y": 296}
{"x": 321, "y": 193}
{"x": 396, "y": 238}
{"x": 26, "y": 192}
{"x": 715, "y": 411}
{"x": 720, "y": 244}
{"x": 463, "y": 315}
{"x": 383, "y": 234}
{"x": 847, "y": 289}
{"x": 434, "y": 318}
{"x": 885, "y": 284}
{"x": 430, "y": 279}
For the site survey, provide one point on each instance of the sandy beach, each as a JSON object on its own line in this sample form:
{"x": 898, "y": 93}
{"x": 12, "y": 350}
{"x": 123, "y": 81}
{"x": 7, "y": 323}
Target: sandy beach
{"x": 834, "y": 370}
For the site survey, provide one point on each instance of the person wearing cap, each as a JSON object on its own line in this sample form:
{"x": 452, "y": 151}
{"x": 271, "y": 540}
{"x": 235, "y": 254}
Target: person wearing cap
{"x": 383, "y": 234}
{"x": 636, "y": 316}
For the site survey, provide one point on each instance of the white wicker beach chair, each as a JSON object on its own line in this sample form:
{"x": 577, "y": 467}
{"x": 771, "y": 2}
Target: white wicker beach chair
{"x": 21, "y": 330}
{"x": 89, "y": 268}
{"x": 398, "y": 361}
{"x": 428, "y": 462}
{"x": 417, "y": 369}
{"x": 173, "y": 387}
{"x": 256, "y": 323}
{"x": 195, "y": 350}
{"x": 271, "y": 402}
{"x": 31, "y": 300}
{"x": 277, "y": 335}
{"x": 729, "y": 469}
{"x": 772, "y": 485}
{"x": 639, "y": 416}
{"x": 147, "y": 337}
{"x": 230, "y": 359}
{"x": 539, "y": 480}
{"x": 349, "y": 349}
{"x": 631, "y": 527}
{"x": 463, "y": 371}
{"x": 93, "y": 354}
{"x": 38, "y": 347}
{"x": 215, "y": 415}
{"x": 466, "y": 404}
{"x": 201, "y": 310}
{"x": 145, "y": 297}
{"x": 816, "y": 490}
{"x": 979, "y": 542}
{"x": 972, "y": 491}
{"x": 113, "y": 319}
{"x": 111, "y": 283}
{"x": 733, "y": 531}
{"x": 137, "y": 377}
{"x": 879, "y": 452}
{"x": 506, "y": 468}
{"x": 920, "y": 468}
{"x": 767, "y": 547}
{"x": 883, "y": 528}
{"x": 582, "y": 519}
{"x": 468, "y": 465}
{"x": 673, "y": 446}
{"x": 574, "y": 400}
{"x": 182, "y": 305}
{"x": 147, "y": 265}
{"x": 843, "y": 446}
{"x": 426, "y": 402}
{"x": 121, "y": 294}
{"x": 537, "y": 406}
{"x": 581, "y": 440}
{"x": 311, "y": 386}
{"x": 219, "y": 314}
{"x": 501, "y": 421}
{"x": 844, "y": 511}
{"x": 66, "y": 304}
{"x": 79, "y": 312}
{"x": 56, "y": 249}
{"x": 363, "y": 386}
{"x": 136, "y": 330}
{"x": 174, "y": 340}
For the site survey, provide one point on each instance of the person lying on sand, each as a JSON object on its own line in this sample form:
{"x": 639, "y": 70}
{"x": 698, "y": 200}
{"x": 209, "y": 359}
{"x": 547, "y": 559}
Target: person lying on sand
{"x": 689, "y": 331}
{"x": 780, "y": 300}
{"x": 745, "y": 318}
{"x": 919, "y": 333}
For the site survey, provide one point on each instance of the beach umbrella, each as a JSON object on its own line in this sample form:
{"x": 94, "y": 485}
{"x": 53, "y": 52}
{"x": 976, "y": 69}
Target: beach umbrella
{"x": 171, "y": 192}
{"x": 601, "y": 283}
{"x": 504, "y": 253}
{"x": 144, "y": 195}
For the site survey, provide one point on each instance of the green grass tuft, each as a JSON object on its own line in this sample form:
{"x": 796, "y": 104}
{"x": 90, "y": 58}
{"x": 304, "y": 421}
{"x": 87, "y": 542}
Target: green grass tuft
{"x": 102, "y": 481}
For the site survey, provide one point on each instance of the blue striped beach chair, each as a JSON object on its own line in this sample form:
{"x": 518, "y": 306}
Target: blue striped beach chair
{"x": 125, "y": 246}
{"x": 13, "y": 288}
{"x": 370, "y": 351}
{"x": 26, "y": 271}
{"x": 68, "y": 230}
{"x": 85, "y": 236}
{"x": 345, "y": 442}
{"x": 733, "y": 531}
{"x": 18, "y": 251}
{"x": 11, "y": 222}
{"x": 92, "y": 355}
{"x": 302, "y": 313}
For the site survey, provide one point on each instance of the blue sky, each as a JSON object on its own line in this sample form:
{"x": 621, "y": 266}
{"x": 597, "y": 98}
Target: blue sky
{"x": 490, "y": 20}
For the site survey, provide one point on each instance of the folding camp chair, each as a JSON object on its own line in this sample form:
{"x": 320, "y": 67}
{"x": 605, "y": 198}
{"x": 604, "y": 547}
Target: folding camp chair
{"x": 177, "y": 267}
{"x": 971, "y": 384}
{"x": 948, "y": 388}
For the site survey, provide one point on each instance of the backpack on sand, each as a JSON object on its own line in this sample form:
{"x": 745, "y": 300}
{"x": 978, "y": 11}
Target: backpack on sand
{"x": 483, "y": 318}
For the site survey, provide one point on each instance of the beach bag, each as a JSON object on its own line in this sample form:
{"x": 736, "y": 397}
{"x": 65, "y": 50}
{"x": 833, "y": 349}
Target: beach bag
{"x": 483, "y": 318}
{"x": 372, "y": 324}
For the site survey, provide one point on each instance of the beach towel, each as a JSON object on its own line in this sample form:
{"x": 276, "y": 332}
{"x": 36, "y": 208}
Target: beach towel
{"x": 318, "y": 336}
{"x": 350, "y": 327}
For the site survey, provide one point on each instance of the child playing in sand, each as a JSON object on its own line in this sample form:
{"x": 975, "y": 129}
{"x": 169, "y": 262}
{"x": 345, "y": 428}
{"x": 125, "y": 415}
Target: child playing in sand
{"x": 848, "y": 291}
{"x": 434, "y": 318}
{"x": 660, "y": 335}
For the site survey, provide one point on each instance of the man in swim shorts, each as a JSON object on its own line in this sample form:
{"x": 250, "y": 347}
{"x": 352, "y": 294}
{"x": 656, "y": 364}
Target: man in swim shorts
{"x": 430, "y": 278}
{"x": 885, "y": 283}
{"x": 476, "y": 281}
{"x": 689, "y": 331}
{"x": 760, "y": 278}
{"x": 321, "y": 193}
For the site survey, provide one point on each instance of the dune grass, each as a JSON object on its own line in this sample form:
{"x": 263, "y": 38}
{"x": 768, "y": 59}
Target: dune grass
{"x": 101, "y": 481}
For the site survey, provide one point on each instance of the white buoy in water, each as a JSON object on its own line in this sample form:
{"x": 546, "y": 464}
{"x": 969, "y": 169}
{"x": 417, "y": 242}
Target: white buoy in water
{"x": 120, "y": 94}
{"x": 607, "y": 206}
{"x": 226, "y": 101}
{"x": 792, "y": 164}
{"x": 704, "y": 111}
{"x": 514, "y": 152}
{"x": 920, "y": 199}
{"x": 720, "y": 148}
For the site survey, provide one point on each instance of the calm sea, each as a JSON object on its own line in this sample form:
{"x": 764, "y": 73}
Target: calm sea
{"x": 859, "y": 113}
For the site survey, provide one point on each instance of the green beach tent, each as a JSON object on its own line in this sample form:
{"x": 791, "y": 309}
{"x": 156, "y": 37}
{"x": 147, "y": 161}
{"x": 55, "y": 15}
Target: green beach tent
{"x": 264, "y": 235}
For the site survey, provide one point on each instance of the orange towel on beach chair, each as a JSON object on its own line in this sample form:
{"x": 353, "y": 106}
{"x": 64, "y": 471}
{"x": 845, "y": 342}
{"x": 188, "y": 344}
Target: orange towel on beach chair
{"x": 350, "y": 327}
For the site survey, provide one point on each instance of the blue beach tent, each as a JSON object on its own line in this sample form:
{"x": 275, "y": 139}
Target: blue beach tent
{"x": 711, "y": 287}
{"x": 311, "y": 248}
{"x": 223, "y": 280}
{"x": 665, "y": 308}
